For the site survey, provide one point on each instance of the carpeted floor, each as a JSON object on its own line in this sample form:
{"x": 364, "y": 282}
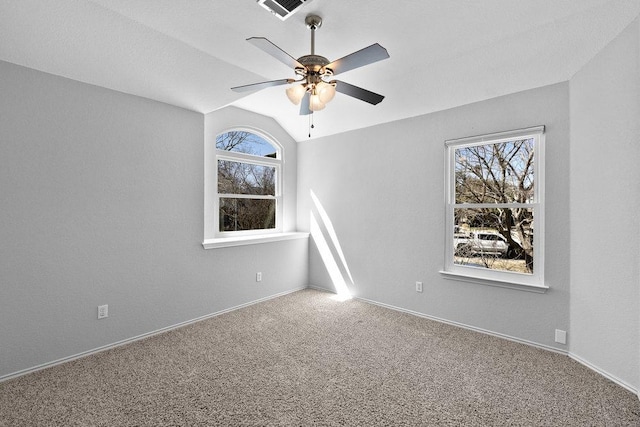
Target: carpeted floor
{"x": 305, "y": 359}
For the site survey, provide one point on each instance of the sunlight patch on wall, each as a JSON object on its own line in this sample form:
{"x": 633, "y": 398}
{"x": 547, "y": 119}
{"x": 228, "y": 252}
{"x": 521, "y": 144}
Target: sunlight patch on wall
{"x": 332, "y": 232}
{"x": 329, "y": 249}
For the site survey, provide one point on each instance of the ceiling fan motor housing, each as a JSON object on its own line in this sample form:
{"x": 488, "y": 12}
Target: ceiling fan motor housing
{"x": 315, "y": 62}
{"x": 315, "y": 69}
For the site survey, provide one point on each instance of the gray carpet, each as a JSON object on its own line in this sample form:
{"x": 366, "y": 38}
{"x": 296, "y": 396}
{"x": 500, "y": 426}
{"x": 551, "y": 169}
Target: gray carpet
{"x": 305, "y": 359}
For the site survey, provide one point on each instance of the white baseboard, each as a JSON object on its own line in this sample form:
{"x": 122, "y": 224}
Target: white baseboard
{"x": 605, "y": 374}
{"x": 575, "y": 357}
{"x": 578, "y": 359}
{"x": 139, "y": 337}
{"x": 465, "y": 326}
{"x": 321, "y": 289}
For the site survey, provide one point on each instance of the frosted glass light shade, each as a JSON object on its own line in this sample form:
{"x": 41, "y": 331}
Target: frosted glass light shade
{"x": 315, "y": 104}
{"x": 326, "y": 91}
{"x": 295, "y": 93}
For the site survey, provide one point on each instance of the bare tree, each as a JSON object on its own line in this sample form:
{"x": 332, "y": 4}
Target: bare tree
{"x": 245, "y": 178}
{"x": 500, "y": 173}
{"x": 232, "y": 141}
{"x": 244, "y": 142}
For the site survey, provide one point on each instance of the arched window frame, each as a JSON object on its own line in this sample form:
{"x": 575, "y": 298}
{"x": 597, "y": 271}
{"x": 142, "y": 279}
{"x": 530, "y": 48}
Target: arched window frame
{"x": 285, "y": 192}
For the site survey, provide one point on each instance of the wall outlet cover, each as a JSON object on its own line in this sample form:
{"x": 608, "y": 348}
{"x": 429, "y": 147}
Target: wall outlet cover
{"x": 103, "y": 311}
{"x": 561, "y": 336}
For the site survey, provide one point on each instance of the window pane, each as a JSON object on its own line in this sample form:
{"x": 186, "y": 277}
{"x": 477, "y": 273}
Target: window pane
{"x": 495, "y": 173}
{"x": 245, "y": 142}
{"x": 247, "y": 214}
{"x": 492, "y": 238}
{"x": 246, "y": 178}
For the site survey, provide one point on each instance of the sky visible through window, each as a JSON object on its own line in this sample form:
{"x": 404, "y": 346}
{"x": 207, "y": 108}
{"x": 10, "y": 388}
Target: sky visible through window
{"x": 245, "y": 142}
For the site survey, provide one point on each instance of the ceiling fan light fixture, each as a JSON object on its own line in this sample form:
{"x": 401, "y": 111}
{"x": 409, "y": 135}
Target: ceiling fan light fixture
{"x": 295, "y": 93}
{"x": 315, "y": 103}
{"x": 326, "y": 91}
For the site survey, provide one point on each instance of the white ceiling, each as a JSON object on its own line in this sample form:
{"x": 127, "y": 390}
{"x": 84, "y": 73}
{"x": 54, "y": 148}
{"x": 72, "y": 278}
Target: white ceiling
{"x": 190, "y": 52}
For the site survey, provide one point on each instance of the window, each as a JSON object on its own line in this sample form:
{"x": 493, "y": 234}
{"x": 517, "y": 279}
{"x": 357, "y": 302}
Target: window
{"x": 248, "y": 195}
{"x": 494, "y": 210}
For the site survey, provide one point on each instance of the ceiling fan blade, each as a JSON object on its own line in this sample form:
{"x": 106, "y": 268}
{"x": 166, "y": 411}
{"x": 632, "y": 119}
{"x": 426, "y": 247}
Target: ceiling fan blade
{"x": 261, "y": 85}
{"x": 358, "y": 92}
{"x": 366, "y": 56}
{"x": 304, "y": 105}
{"x": 275, "y": 51}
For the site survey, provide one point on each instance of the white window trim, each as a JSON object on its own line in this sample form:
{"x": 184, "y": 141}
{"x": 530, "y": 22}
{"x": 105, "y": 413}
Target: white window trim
{"x": 226, "y": 242}
{"x": 528, "y": 282}
{"x": 217, "y": 239}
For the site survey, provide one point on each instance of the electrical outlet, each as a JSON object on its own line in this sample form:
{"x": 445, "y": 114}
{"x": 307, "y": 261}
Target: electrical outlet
{"x": 418, "y": 286}
{"x": 103, "y": 311}
{"x": 561, "y": 336}
{"x": 258, "y": 277}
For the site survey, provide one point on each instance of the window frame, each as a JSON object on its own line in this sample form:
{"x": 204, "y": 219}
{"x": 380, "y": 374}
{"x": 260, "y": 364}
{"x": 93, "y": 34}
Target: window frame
{"x": 213, "y": 236}
{"x": 530, "y": 282}
{"x": 222, "y": 155}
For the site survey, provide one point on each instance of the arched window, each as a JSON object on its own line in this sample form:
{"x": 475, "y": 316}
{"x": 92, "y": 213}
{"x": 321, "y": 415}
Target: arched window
{"x": 248, "y": 189}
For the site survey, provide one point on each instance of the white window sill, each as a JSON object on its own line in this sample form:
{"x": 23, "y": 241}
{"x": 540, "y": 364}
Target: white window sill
{"x": 494, "y": 282}
{"x": 226, "y": 242}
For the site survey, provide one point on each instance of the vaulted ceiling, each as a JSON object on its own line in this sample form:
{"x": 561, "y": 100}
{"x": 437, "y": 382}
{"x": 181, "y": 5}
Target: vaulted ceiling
{"x": 189, "y": 53}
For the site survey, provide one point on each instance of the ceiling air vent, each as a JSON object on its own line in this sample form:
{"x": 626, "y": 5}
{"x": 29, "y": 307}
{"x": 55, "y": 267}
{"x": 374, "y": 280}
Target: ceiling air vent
{"x": 282, "y": 8}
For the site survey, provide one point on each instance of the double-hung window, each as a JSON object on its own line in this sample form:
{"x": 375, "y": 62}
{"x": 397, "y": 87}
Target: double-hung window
{"x": 248, "y": 189}
{"x": 494, "y": 209}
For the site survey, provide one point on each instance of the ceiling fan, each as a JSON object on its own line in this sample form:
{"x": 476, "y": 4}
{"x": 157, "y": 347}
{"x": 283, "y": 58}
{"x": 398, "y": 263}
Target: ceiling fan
{"x": 313, "y": 89}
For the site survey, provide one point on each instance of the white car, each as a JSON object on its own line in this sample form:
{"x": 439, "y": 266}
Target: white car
{"x": 481, "y": 242}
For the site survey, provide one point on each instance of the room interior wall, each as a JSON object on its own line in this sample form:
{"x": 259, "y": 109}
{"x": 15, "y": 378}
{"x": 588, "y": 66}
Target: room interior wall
{"x": 382, "y": 190}
{"x": 100, "y": 191}
{"x": 605, "y": 200}
{"x": 102, "y": 203}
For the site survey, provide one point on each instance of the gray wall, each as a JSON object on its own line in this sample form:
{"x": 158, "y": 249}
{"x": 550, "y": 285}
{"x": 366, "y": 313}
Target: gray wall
{"x": 101, "y": 198}
{"x": 383, "y": 191}
{"x": 605, "y": 206}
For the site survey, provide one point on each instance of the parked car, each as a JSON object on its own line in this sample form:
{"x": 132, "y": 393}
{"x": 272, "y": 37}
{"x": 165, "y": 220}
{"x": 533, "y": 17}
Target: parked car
{"x": 480, "y": 242}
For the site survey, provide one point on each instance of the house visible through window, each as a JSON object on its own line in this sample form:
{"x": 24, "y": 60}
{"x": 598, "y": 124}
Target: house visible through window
{"x": 494, "y": 208}
{"x": 248, "y": 187}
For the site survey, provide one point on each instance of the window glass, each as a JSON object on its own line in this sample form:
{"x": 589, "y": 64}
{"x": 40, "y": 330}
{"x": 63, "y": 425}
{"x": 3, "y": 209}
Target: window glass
{"x": 239, "y": 141}
{"x": 247, "y": 214}
{"x": 495, "y": 173}
{"x": 247, "y": 197}
{"x": 486, "y": 238}
{"x": 245, "y": 178}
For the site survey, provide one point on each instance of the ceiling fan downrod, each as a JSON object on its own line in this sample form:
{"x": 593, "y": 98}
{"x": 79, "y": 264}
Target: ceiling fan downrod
{"x": 313, "y": 23}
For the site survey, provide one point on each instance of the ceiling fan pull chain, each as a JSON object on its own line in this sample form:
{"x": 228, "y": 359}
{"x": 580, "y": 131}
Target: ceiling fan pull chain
{"x": 311, "y": 125}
